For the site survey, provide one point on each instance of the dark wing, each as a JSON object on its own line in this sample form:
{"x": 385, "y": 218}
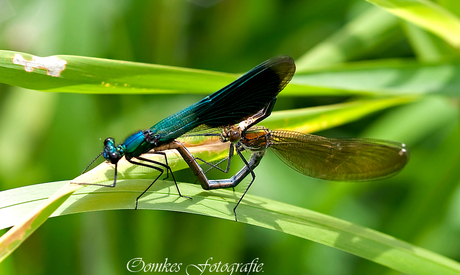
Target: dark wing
{"x": 248, "y": 94}
{"x": 339, "y": 159}
{"x": 237, "y": 101}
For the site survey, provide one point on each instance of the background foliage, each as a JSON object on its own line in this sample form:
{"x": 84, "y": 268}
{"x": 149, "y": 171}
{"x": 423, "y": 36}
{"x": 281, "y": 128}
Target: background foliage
{"x": 50, "y": 136}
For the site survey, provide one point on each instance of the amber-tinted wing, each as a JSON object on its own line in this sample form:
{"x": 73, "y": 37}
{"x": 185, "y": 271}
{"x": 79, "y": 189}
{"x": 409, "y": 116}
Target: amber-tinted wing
{"x": 339, "y": 159}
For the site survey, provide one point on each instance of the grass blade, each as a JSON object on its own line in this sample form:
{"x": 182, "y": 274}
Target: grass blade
{"x": 427, "y": 15}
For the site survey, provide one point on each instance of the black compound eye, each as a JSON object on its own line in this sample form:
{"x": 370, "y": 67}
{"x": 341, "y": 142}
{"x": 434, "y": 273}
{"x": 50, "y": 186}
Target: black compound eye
{"x": 114, "y": 157}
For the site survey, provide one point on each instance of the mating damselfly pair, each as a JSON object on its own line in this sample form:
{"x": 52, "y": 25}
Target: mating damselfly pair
{"x": 235, "y": 110}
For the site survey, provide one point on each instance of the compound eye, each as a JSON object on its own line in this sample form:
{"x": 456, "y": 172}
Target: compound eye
{"x": 234, "y": 136}
{"x": 108, "y": 140}
{"x": 114, "y": 157}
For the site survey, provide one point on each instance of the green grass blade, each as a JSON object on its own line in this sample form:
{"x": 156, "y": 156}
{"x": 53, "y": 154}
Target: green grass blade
{"x": 96, "y": 75}
{"x": 427, "y": 15}
{"x": 427, "y": 46}
{"x": 306, "y": 224}
{"x": 313, "y": 119}
{"x": 38, "y": 213}
{"x": 104, "y": 76}
{"x": 93, "y": 75}
{"x": 367, "y": 31}
{"x": 387, "y": 77}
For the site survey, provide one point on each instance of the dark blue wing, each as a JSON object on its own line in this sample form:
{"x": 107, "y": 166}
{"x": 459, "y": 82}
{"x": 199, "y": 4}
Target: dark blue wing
{"x": 237, "y": 101}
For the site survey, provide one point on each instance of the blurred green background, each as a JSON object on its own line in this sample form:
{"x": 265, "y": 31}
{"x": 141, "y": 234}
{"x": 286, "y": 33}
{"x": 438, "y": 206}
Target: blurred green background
{"x": 48, "y": 137}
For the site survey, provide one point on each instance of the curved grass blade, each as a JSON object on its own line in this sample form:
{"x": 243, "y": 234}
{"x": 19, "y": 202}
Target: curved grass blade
{"x": 306, "y": 224}
{"x": 102, "y": 76}
{"x": 372, "y": 28}
{"x": 425, "y": 14}
{"x": 388, "y": 77}
{"x": 313, "y": 119}
{"x": 36, "y": 216}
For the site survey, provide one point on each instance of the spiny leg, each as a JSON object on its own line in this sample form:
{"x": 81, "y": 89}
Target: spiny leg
{"x": 259, "y": 116}
{"x": 216, "y": 165}
{"x": 262, "y": 114}
{"x": 249, "y": 186}
{"x": 166, "y": 161}
{"x": 105, "y": 185}
{"x": 149, "y": 166}
{"x": 161, "y": 172}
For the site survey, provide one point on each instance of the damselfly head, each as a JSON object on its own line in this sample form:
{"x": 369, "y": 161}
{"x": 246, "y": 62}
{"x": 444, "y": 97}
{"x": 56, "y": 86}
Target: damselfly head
{"x": 111, "y": 152}
{"x": 231, "y": 133}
